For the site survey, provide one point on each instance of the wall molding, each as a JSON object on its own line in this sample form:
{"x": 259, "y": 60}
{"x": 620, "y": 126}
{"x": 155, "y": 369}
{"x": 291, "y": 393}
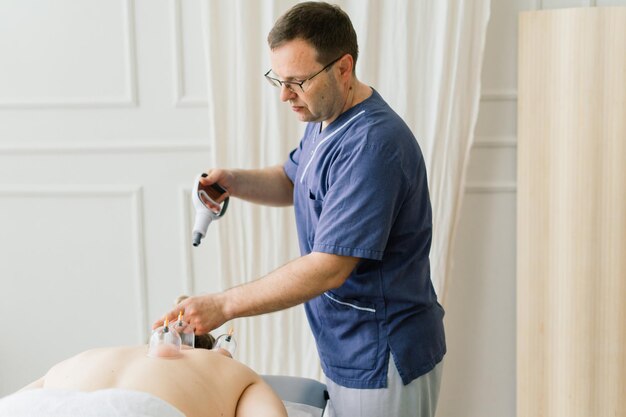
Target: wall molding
{"x": 538, "y": 4}
{"x": 488, "y": 142}
{"x": 186, "y": 223}
{"x": 128, "y": 100}
{"x": 135, "y": 195}
{"x": 491, "y": 188}
{"x": 131, "y": 53}
{"x": 141, "y": 280}
{"x": 181, "y": 99}
{"x": 498, "y": 95}
{"x": 129, "y": 146}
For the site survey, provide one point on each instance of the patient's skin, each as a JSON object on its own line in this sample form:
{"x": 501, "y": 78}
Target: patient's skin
{"x": 200, "y": 382}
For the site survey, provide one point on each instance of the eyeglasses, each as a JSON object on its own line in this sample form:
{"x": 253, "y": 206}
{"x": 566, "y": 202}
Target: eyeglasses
{"x": 291, "y": 85}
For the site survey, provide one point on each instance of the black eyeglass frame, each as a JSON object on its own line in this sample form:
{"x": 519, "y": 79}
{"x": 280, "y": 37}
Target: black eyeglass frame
{"x": 289, "y": 84}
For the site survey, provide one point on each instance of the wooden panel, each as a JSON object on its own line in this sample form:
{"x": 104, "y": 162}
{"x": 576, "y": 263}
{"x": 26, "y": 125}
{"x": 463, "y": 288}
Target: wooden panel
{"x": 572, "y": 213}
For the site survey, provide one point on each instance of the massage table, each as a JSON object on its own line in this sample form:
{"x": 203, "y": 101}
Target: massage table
{"x": 303, "y": 397}
{"x": 300, "y": 394}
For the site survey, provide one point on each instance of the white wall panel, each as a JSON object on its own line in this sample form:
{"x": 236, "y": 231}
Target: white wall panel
{"x": 497, "y": 118}
{"x": 90, "y": 185}
{"x": 500, "y": 69}
{"x": 493, "y": 161}
{"x": 72, "y": 274}
{"x": 67, "y": 53}
{"x": 609, "y": 2}
{"x": 479, "y": 376}
{"x": 155, "y": 119}
{"x": 561, "y": 4}
{"x": 190, "y": 71}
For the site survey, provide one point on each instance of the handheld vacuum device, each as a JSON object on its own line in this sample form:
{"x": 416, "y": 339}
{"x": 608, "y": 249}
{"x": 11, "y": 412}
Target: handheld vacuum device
{"x": 204, "y": 214}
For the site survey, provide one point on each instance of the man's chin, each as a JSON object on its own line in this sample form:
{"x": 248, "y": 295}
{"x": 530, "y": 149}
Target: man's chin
{"x": 306, "y": 117}
{"x": 302, "y": 113}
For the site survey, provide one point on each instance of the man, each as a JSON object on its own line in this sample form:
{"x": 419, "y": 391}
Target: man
{"x": 359, "y": 188}
{"x": 125, "y": 381}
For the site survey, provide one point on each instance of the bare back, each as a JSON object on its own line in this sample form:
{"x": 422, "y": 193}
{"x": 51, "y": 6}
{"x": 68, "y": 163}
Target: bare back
{"x": 200, "y": 383}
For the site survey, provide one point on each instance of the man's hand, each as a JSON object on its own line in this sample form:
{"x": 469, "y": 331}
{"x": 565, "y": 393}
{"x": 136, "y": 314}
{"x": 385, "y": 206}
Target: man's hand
{"x": 202, "y": 312}
{"x": 225, "y": 178}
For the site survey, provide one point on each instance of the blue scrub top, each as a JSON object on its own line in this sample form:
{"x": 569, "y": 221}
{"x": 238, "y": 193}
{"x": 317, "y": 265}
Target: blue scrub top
{"x": 360, "y": 189}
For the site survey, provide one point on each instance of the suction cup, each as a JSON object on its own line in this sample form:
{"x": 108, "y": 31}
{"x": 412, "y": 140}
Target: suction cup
{"x": 164, "y": 343}
{"x": 184, "y": 330}
{"x": 226, "y": 342}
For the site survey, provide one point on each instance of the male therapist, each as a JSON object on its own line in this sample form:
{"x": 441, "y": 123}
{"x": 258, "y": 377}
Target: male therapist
{"x": 358, "y": 184}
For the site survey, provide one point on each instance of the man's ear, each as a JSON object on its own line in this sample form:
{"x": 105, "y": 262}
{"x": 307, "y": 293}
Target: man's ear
{"x": 346, "y": 65}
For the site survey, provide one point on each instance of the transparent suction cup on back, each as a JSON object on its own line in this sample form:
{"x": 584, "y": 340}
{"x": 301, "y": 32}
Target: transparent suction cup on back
{"x": 226, "y": 342}
{"x": 164, "y": 343}
{"x": 184, "y": 330}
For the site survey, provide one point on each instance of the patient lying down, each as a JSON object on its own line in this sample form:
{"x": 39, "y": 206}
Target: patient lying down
{"x": 197, "y": 383}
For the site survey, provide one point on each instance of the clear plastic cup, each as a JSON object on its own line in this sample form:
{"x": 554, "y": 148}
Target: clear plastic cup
{"x": 185, "y": 331}
{"x": 226, "y": 342}
{"x": 164, "y": 343}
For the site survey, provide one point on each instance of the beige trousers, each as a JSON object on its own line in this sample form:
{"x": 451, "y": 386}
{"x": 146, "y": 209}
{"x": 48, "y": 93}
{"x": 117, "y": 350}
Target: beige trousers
{"x": 417, "y": 399}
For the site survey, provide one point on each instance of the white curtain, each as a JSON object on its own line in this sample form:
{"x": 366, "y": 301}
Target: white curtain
{"x": 424, "y": 57}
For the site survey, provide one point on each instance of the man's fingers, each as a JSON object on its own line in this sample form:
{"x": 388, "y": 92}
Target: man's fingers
{"x": 171, "y": 316}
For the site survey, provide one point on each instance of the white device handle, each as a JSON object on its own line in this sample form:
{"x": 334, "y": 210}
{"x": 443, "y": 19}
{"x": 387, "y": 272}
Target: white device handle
{"x": 204, "y": 216}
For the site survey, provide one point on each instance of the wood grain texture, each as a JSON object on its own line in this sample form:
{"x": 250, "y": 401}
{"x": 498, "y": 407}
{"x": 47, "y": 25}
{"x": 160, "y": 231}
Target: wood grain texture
{"x": 571, "y": 254}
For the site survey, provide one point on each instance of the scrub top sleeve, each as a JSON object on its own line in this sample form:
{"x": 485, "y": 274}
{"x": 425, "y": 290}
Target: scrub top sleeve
{"x": 365, "y": 193}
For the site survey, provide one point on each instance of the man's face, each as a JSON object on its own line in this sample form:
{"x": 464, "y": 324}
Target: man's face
{"x": 321, "y": 100}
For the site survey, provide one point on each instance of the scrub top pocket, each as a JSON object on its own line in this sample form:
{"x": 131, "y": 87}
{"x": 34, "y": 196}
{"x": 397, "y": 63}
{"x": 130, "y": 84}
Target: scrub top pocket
{"x": 349, "y": 332}
{"x": 315, "y": 206}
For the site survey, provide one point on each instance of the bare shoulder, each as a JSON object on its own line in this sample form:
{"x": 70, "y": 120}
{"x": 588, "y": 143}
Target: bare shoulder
{"x": 256, "y": 397}
{"x": 260, "y": 400}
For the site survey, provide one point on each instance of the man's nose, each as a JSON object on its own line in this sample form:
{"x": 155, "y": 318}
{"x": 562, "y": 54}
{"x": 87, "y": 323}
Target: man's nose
{"x": 286, "y": 93}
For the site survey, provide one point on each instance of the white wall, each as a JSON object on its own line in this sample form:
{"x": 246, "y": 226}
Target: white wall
{"x": 103, "y": 126}
{"x": 99, "y": 137}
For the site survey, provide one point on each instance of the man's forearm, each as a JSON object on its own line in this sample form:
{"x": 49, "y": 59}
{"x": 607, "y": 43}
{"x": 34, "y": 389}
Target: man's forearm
{"x": 268, "y": 186}
{"x": 292, "y": 284}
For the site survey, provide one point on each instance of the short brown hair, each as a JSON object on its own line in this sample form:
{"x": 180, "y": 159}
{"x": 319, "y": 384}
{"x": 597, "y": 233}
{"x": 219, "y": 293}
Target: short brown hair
{"x": 204, "y": 341}
{"x": 325, "y": 26}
